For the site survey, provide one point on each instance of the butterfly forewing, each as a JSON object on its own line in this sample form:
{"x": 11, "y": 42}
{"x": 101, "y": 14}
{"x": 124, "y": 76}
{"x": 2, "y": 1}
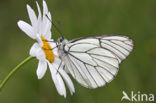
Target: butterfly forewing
{"x": 94, "y": 61}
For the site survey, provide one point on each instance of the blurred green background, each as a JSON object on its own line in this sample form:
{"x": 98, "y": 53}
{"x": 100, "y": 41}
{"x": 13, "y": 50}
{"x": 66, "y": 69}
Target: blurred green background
{"x": 76, "y": 18}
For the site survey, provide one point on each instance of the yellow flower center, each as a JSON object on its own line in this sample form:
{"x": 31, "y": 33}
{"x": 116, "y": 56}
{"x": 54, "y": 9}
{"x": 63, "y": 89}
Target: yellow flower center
{"x": 47, "y": 50}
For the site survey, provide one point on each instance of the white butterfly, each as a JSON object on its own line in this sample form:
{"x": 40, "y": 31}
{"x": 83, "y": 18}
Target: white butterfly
{"x": 94, "y": 61}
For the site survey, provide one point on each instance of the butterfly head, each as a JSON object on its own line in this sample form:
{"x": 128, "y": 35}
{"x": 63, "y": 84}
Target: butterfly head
{"x": 62, "y": 40}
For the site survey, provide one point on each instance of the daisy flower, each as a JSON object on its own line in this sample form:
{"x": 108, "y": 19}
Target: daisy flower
{"x": 46, "y": 52}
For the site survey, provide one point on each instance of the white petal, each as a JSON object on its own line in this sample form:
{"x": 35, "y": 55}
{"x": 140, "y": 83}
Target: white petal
{"x": 46, "y": 24}
{"x": 56, "y": 63}
{"x": 47, "y": 33}
{"x": 39, "y": 18}
{"x": 38, "y": 52}
{"x": 38, "y": 38}
{"x": 45, "y": 8}
{"x": 67, "y": 80}
{"x": 34, "y": 49}
{"x": 32, "y": 17}
{"x": 59, "y": 84}
{"x": 26, "y": 28}
{"x": 48, "y": 36}
{"x": 41, "y": 55}
{"x": 41, "y": 70}
{"x": 52, "y": 43}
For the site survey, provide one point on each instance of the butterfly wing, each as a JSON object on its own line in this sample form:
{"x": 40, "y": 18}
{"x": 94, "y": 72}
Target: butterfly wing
{"x": 94, "y": 61}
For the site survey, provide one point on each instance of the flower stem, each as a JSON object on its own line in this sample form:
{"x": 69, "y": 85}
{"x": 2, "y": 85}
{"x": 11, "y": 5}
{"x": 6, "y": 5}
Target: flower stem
{"x": 14, "y": 70}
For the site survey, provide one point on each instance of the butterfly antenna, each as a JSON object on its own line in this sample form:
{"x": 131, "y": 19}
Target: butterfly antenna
{"x": 58, "y": 30}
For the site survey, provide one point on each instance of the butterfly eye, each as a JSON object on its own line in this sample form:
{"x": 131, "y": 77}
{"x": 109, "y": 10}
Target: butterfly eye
{"x": 61, "y": 39}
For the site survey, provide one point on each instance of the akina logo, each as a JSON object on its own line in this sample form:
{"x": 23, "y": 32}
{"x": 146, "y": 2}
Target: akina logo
{"x": 138, "y": 96}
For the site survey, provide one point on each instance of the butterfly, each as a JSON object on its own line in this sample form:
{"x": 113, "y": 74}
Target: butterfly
{"x": 94, "y": 61}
